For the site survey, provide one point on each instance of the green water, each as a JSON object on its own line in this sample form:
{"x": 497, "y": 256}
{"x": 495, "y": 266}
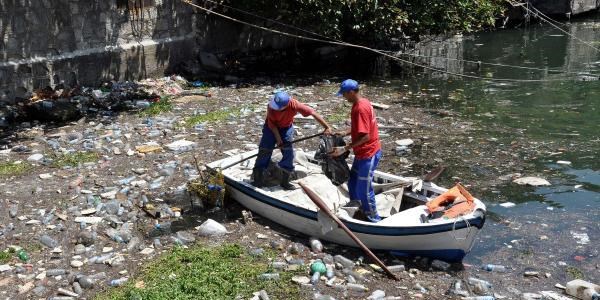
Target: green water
{"x": 564, "y": 109}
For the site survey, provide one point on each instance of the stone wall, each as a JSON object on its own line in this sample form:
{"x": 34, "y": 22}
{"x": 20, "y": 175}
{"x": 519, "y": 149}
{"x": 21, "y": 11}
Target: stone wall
{"x": 565, "y": 7}
{"x": 47, "y": 42}
{"x": 86, "y": 42}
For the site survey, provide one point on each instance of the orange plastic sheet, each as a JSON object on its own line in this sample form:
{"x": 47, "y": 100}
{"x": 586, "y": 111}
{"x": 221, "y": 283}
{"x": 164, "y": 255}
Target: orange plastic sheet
{"x": 455, "y": 202}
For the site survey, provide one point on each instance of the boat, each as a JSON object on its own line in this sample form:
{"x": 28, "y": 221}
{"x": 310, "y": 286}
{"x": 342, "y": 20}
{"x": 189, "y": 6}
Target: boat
{"x": 406, "y": 229}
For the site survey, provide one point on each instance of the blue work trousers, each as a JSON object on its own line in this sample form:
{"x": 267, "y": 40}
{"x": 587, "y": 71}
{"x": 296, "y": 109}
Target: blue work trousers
{"x": 360, "y": 185}
{"x": 268, "y": 143}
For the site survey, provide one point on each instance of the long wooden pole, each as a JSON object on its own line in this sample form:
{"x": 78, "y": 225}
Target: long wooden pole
{"x": 317, "y": 200}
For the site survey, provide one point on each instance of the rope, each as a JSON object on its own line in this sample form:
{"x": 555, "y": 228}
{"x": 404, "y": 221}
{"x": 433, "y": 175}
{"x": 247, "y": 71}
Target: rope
{"x": 555, "y": 26}
{"x": 272, "y": 20}
{"x": 469, "y": 228}
{"x": 488, "y": 64}
{"x": 340, "y": 43}
{"x": 545, "y": 16}
{"x": 394, "y": 52}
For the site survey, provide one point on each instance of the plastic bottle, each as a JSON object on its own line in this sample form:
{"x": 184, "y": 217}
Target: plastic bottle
{"x": 316, "y": 245}
{"x": 494, "y": 268}
{"x": 330, "y": 273}
{"x": 114, "y": 235}
{"x": 356, "y": 275}
{"x": 142, "y": 104}
{"x": 48, "y": 241}
{"x": 319, "y": 296}
{"x": 397, "y": 268}
{"x": 56, "y": 272}
{"x": 346, "y": 263}
{"x": 269, "y": 276}
{"x": 48, "y": 218}
{"x": 118, "y": 282}
{"x": 13, "y": 210}
{"x": 420, "y": 288}
{"x": 86, "y": 282}
{"x": 314, "y": 279}
{"x": 356, "y": 287}
{"x": 480, "y": 286}
{"x": 457, "y": 289}
{"x": 296, "y": 261}
{"x": 101, "y": 259}
{"x": 199, "y": 127}
{"x": 350, "y": 279}
{"x": 144, "y": 200}
{"x": 22, "y": 255}
{"x": 127, "y": 180}
{"x": 278, "y": 265}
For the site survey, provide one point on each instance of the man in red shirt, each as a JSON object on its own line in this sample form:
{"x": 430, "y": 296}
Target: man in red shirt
{"x": 279, "y": 130}
{"x": 366, "y": 146}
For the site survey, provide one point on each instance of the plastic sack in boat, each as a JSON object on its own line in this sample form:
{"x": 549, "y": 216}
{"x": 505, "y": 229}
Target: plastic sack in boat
{"x": 455, "y": 202}
{"x": 336, "y": 169}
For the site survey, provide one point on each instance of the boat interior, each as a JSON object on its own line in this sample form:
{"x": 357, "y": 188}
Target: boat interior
{"x": 400, "y": 200}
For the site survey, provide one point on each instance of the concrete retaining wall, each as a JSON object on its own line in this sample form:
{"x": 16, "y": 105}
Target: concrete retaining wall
{"x": 564, "y": 7}
{"x": 47, "y": 42}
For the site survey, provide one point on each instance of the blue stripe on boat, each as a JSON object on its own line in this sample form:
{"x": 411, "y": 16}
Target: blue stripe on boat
{"x": 373, "y": 229}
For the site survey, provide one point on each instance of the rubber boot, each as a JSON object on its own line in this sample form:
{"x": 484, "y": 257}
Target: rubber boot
{"x": 258, "y": 176}
{"x": 285, "y": 181}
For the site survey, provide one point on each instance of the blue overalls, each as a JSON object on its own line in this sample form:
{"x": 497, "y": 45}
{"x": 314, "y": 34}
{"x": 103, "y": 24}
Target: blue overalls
{"x": 268, "y": 143}
{"x": 360, "y": 185}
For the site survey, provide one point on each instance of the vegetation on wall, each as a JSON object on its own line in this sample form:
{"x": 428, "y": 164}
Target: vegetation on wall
{"x": 375, "y": 22}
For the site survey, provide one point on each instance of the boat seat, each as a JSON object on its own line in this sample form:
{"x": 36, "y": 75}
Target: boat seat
{"x": 409, "y": 217}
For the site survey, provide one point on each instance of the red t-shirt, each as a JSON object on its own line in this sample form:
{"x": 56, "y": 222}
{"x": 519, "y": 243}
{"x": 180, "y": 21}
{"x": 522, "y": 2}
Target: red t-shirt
{"x": 363, "y": 120}
{"x": 285, "y": 118}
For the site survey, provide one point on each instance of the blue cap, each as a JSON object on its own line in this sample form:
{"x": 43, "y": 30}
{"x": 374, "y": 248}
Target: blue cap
{"x": 347, "y": 85}
{"x": 280, "y": 100}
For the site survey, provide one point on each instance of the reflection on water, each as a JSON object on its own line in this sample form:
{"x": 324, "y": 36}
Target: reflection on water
{"x": 566, "y": 110}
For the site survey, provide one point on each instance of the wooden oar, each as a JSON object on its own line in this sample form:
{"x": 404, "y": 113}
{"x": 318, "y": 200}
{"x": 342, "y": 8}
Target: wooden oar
{"x": 322, "y": 206}
{"x": 435, "y": 173}
{"x": 259, "y": 152}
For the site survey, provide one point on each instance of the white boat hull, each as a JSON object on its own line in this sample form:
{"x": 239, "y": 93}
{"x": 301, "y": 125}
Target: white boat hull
{"x": 450, "y": 242}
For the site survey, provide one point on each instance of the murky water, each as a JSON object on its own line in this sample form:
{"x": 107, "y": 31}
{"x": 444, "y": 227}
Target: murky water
{"x": 565, "y": 108}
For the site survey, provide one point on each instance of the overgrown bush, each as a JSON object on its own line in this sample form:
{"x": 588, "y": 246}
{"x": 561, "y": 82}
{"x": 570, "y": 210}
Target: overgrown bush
{"x": 375, "y": 22}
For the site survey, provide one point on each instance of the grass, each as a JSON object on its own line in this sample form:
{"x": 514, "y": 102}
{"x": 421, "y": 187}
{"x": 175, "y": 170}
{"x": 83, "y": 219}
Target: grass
{"x": 199, "y": 272}
{"x": 5, "y": 257}
{"x": 574, "y": 272}
{"x": 212, "y": 116}
{"x": 74, "y": 159}
{"x": 156, "y": 108}
{"x": 342, "y": 113}
{"x": 12, "y": 169}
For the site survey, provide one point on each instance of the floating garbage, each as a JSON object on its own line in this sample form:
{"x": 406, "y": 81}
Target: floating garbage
{"x": 533, "y": 181}
{"x": 494, "y": 268}
{"x": 181, "y": 146}
{"x": 582, "y": 238}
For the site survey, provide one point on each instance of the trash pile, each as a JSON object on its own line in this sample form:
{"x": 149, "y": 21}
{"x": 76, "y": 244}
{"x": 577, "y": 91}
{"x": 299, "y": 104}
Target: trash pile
{"x": 101, "y": 197}
{"x": 63, "y": 103}
{"x": 90, "y": 225}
